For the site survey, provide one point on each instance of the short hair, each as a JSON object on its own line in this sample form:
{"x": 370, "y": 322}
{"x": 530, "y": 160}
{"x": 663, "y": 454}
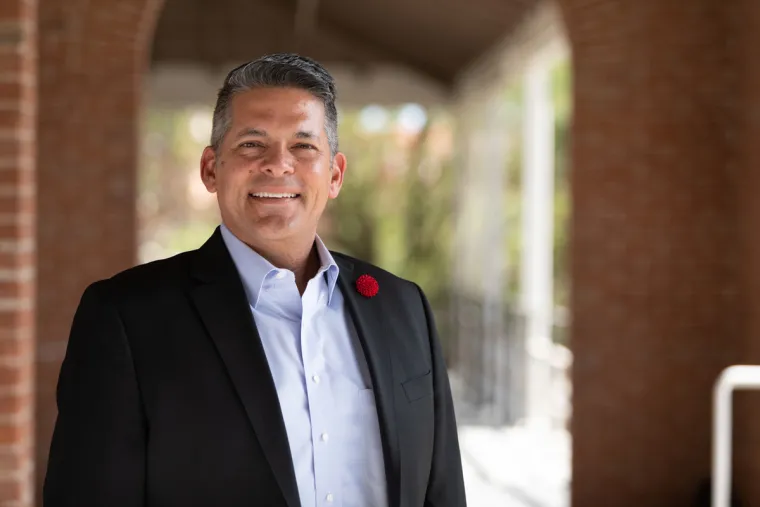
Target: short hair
{"x": 279, "y": 70}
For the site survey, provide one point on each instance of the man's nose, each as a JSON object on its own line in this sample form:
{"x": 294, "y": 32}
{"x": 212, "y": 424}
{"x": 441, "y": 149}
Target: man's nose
{"x": 279, "y": 161}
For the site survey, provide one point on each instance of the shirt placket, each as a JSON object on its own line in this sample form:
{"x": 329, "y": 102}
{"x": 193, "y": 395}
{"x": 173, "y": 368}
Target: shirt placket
{"x": 321, "y": 401}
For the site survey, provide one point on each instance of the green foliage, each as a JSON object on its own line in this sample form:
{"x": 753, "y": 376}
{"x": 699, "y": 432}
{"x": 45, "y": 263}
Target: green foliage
{"x": 513, "y": 97}
{"x": 175, "y": 211}
{"x": 395, "y": 207}
{"x": 562, "y": 92}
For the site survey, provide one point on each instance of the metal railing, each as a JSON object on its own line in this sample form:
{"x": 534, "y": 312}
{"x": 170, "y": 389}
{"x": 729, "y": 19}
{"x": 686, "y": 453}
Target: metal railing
{"x": 491, "y": 363}
{"x": 731, "y": 379}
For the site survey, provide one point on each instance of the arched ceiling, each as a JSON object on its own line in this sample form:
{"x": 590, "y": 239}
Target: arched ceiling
{"x": 435, "y": 39}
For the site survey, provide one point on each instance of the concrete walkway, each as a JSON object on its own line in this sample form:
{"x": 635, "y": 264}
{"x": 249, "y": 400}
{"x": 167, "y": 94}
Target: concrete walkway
{"x": 515, "y": 466}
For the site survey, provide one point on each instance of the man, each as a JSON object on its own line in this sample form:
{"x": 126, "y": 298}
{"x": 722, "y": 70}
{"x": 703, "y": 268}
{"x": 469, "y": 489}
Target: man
{"x": 260, "y": 369}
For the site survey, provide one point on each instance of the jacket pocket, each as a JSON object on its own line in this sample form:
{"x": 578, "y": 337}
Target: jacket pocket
{"x": 418, "y": 387}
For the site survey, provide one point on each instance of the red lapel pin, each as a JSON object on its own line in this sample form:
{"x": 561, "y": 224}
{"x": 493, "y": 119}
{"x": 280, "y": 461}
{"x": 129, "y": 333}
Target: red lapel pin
{"x": 367, "y": 286}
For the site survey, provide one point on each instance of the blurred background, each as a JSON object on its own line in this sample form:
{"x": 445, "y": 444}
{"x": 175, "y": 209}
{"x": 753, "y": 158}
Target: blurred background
{"x": 571, "y": 182}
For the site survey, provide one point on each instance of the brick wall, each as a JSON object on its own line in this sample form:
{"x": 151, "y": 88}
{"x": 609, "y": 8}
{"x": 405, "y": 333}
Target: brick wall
{"x": 658, "y": 308}
{"x": 92, "y": 59}
{"x": 17, "y": 137}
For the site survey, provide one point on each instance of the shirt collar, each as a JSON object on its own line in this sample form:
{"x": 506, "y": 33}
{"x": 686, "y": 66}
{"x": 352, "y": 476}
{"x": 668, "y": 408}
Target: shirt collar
{"x": 255, "y": 269}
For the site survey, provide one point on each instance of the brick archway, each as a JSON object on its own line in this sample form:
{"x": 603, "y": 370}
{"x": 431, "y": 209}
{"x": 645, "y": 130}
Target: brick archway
{"x": 92, "y": 56}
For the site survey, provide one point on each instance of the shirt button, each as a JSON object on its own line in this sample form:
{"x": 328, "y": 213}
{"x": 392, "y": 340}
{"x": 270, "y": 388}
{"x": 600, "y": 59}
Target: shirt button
{"x": 316, "y": 379}
{"x": 322, "y": 299}
{"x": 329, "y": 498}
{"x": 325, "y": 437}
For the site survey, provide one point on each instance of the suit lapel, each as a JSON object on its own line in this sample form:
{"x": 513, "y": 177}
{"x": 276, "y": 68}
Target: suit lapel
{"x": 221, "y": 302}
{"x": 368, "y": 315}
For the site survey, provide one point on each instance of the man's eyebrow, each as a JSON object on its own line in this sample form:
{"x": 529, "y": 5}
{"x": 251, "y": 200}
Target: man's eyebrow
{"x": 251, "y": 132}
{"x": 306, "y": 134}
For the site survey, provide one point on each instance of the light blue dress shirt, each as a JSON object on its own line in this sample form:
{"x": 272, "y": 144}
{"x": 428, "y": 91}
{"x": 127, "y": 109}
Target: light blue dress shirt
{"x": 321, "y": 377}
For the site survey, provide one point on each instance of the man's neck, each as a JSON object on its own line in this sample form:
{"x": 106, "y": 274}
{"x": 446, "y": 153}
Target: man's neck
{"x": 302, "y": 259}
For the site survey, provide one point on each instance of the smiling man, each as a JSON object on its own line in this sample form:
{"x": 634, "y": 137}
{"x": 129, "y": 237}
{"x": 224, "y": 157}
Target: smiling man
{"x": 261, "y": 369}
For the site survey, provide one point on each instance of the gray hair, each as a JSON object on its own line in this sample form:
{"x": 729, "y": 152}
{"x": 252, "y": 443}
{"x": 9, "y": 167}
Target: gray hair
{"x": 280, "y": 70}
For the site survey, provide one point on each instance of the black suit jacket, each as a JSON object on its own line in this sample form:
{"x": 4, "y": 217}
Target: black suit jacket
{"x": 165, "y": 396}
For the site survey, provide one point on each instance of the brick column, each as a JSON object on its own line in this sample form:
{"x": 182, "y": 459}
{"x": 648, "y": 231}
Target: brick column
{"x": 92, "y": 57}
{"x": 17, "y": 247}
{"x": 654, "y": 245}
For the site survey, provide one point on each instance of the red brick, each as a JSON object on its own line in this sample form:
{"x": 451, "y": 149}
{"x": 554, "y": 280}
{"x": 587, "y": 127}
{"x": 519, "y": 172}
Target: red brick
{"x": 10, "y": 119}
{"x": 12, "y": 404}
{"x": 10, "y": 205}
{"x": 9, "y": 147}
{"x": 12, "y": 489}
{"x": 14, "y": 261}
{"x": 9, "y": 178}
{"x": 21, "y": 343}
{"x": 11, "y": 10}
{"x": 17, "y": 151}
{"x": 11, "y": 91}
{"x": 13, "y": 459}
{"x": 15, "y": 231}
{"x": 19, "y": 346}
{"x": 12, "y": 320}
{"x": 11, "y": 63}
{"x": 10, "y": 375}
{"x": 14, "y": 433}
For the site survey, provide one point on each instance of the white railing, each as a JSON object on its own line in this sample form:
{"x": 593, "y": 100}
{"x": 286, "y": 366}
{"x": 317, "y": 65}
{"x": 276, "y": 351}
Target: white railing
{"x": 730, "y": 380}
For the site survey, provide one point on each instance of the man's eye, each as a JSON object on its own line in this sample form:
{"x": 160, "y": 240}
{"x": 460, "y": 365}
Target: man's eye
{"x": 251, "y": 144}
{"x": 304, "y": 146}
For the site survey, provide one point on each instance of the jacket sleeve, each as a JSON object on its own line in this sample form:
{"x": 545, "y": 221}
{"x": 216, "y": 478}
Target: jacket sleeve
{"x": 97, "y": 455}
{"x": 446, "y": 482}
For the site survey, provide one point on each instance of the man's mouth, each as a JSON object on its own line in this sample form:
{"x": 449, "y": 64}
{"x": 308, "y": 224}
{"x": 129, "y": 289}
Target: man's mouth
{"x": 273, "y": 196}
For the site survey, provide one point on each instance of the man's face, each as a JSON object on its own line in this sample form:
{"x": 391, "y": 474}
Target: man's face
{"x": 273, "y": 172}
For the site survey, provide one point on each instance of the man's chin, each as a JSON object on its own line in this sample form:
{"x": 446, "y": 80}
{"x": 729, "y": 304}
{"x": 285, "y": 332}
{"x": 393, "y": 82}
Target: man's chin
{"x": 276, "y": 228}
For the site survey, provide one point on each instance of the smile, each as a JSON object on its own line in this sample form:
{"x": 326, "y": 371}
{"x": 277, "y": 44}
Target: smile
{"x": 270, "y": 195}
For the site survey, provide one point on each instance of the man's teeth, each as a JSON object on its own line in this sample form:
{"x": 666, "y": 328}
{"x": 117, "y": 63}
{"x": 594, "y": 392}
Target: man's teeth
{"x": 274, "y": 196}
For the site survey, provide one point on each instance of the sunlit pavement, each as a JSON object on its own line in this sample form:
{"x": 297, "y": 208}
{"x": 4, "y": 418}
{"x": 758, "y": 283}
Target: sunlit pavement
{"x": 515, "y": 467}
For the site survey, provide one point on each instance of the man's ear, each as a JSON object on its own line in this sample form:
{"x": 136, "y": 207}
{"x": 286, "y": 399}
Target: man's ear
{"x": 208, "y": 169}
{"x": 337, "y": 172}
